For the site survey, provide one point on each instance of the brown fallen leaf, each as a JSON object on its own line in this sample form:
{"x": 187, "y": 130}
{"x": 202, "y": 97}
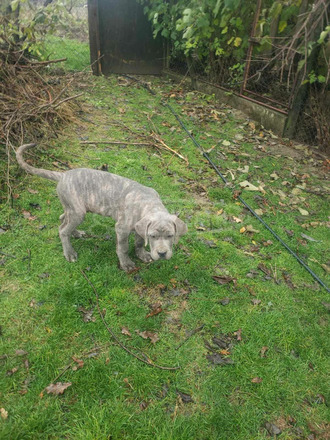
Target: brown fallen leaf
{"x": 217, "y": 359}
{"x": 21, "y": 352}
{"x": 12, "y": 371}
{"x": 155, "y": 310}
{"x": 87, "y": 315}
{"x": 79, "y": 363}
{"x": 224, "y": 279}
{"x": 263, "y": 351}
{"x": 272, "y": 429}
{"x": 3, "y": 413}
{"x": 125, "y": 331}
{"x": 267, "y": 243}
{"x": 249, "y": 186}
{"x": 126, "y": 380}
{"x": 32, "y": 191}
{"x": 58, "y": 388}
{"x": 238, "y": 334}
{"x": 148, "y": 335}
{"x": 28, "y": 216}
{"x": 287, "y": 279}
{"x": 250, "y": 228}
{"x": 144, "y": 405}
{"x": 256, "y": 380}
{"x": 186, "y": 398}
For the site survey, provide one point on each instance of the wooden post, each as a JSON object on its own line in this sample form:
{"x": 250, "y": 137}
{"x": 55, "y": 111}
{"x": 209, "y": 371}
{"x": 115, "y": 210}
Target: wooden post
{"x": 301, "y": 96}
{"x": 94, "y": 36}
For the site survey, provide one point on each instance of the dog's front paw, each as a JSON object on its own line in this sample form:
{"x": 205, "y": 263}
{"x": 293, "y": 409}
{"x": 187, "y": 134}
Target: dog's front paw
{"x": 71, "y": 256}
{"x": 127, "y": 265}
{"x": 144, "y": 256}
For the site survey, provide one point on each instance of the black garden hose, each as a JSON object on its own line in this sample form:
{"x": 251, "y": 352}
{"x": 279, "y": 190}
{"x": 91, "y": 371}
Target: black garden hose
{"x": 197, "y": 144}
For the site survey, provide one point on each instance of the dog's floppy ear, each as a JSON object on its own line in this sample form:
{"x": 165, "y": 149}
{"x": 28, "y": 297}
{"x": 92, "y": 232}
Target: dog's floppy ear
{"x": 180, "y": 228}
{"x": 141, "y": 227}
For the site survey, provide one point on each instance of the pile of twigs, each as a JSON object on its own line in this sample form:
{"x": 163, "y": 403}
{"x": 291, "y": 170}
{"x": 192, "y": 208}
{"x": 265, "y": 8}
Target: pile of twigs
{"x": 32, "y": 103}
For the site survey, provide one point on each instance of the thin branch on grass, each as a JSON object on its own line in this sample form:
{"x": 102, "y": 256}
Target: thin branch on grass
{"x": 7, "y": 255}
{"x": 67, "y": 367}
{"x": 161, "y": 144}
{"x": 116, "y": 143}
{"x": 192, "y": 333}
{"x": 148, "y": 362}
{"x": 67, "y": 99}
{"x": 41, "y": 63}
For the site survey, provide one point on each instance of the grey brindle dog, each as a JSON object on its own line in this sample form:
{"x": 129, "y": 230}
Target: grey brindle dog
{"x": 134, "y": 207}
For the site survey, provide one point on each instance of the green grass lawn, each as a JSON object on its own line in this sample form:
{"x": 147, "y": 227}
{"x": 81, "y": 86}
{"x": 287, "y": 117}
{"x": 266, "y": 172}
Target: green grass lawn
{"x": 265, "y": 324}
{"x": 76, "y": 52}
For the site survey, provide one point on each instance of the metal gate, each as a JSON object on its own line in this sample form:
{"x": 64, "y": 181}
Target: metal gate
{"x": 121, "y": 38}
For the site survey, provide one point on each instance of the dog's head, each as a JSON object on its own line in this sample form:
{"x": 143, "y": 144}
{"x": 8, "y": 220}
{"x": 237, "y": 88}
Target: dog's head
{"x": 161, "y": 231}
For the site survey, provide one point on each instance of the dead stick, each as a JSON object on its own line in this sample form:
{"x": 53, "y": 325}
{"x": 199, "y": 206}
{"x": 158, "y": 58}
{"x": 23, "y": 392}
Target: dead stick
{"x": 192, "y": 333}
{"x": 66, "y": 368}
{"x": 166, "y": 147}
{"x": 7, "y": 255}
{"x": 148, "y": 361}
{"x": 66, "y": 99}
{"x": 42, "y": 63}
{"x": 115, "y": 143}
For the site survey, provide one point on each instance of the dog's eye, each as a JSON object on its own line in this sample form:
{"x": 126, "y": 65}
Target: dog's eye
{"x": 170, "y": 236}
{"x": 153, "y": 236}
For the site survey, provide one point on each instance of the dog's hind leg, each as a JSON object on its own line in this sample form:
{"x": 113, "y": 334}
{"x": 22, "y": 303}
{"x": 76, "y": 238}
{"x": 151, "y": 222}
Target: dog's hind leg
{"x": 70, "y": 220}
{"x": 75, "y": 233}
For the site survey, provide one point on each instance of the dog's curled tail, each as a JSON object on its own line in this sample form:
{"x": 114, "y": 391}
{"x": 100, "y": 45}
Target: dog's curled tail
{"x": 47, "y": 174}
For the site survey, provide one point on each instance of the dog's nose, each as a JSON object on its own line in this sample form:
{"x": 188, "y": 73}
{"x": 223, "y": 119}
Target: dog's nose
{"x": 162, "y": 254}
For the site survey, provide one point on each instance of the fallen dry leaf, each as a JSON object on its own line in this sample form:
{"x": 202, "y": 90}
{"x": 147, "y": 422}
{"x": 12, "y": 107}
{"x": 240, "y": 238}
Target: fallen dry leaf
{"x": 224, "y": 279}
{"x": 28, "y": 216}
{"x": 12, "y": 371}
{"x": 125, "y": 331}
{"x": 263, "y": 351}
{"x": 79, "y": 363}
{"x": 144, "y": 405}
{"x": 303, "y": 211}
{"x": 238, "y": 334}
{"x": 274, "y": 176}
{"x": 217, "y": 359}
{"x": 148, "y": 335}
{"x": 3, "y": 413}
{"x": 250, "y": 228}
{"x": 186, "y": 398}
{"x": 32, "y": 191}
{"x": 58, "y": 388}
{"x": 307, "y": 237}
{"x": 155, "y": 310}
{"x": 256, "y": 380}
{"x": 87, "y": 315}
{"x": 21, "y": 352}
{"x": 248, "y": 186}
{"x": 272, "y": 429}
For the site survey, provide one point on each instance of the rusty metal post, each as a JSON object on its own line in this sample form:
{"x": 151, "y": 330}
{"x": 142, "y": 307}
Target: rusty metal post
{"x": 251, "y": 45}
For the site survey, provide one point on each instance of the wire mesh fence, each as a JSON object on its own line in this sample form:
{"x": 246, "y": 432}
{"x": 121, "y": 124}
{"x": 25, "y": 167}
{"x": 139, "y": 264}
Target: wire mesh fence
{"x": 275, "y": 74}
{"x": 70, "y": 40}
